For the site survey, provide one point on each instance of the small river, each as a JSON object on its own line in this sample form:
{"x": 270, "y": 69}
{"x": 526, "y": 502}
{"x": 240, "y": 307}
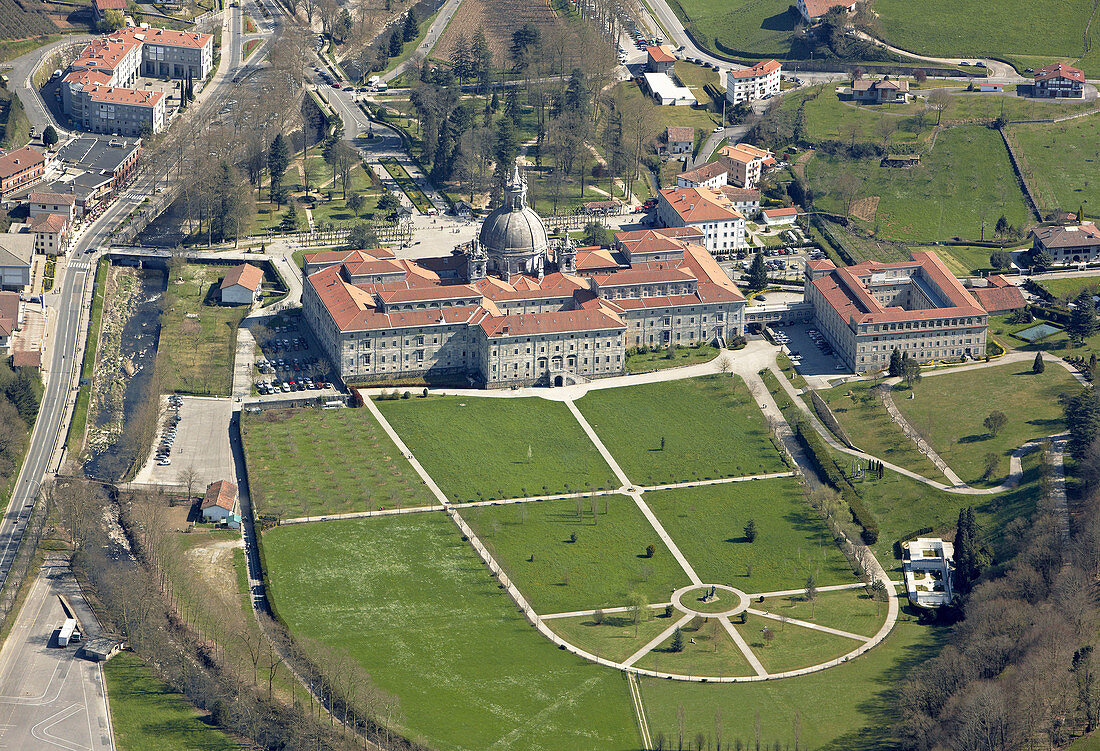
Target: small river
{"x": 139, "y": 344}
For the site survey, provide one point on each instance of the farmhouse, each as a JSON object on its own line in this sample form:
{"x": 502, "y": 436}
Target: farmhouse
{"x": 1073, "y": 243}
{"x": 744, "y": 163}
{"x": 678, "y": 139}
{"x": 1059, "y": 81}
{"x": 711, "y": 175}
{"x": 220, "y": 501}
{"x": 241, "y": 285}
{"x": 918, "y": 307}
{"x": 758, "y": 82}
{"x": 884, "y": 91}
{"x": 812, "y": 10}
{"x": 709, "y": 211}
{"x": 20, "y": 169}
{"x": 513, "y": 307}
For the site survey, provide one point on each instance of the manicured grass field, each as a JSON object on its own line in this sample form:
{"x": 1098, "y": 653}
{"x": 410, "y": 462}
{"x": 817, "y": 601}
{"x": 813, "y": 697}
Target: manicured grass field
{"x": 829, "y": 118}
{"x": 409, "y": 600}
{"x": 851, "y": 610}
{"x": 713, "y": 653}
{"x": 605, "y": 564}
{"x": 659, "y": 359}
{"x": 973, "y": 27}
{"x": 353, "y": 464}
{"x": 148, "y": 716}
{"x": 792, "y": 647}
{"x": 481, "y": 447}
{"x": 951, "y": 407}
{"x": 1059, "y": 161}
{"x": 707, "y": 524}
{"x": 1070, "y": 287}
{"x": 860, "y": 412}
{"x": 198, "y": 336}
{"x": 846, "y": 707}
{"x": 711, "y": 427}
{"x": 967, "y": 174}
{"x": 757, "y": 28}
{"x": 614, "y": 637}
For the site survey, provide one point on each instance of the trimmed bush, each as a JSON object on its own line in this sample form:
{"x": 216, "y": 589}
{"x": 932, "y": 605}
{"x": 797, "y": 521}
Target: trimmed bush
{"x": 819, "y": 452}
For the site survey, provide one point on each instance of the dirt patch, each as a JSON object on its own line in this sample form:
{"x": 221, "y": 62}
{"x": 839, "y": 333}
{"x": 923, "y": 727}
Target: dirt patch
{"x": 865, "y": 208}
{"x": 212, "y": 563}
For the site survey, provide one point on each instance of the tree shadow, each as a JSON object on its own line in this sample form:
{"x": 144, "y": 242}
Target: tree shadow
{"x": 785, "y": 21}
{"x": 977, "y": 437}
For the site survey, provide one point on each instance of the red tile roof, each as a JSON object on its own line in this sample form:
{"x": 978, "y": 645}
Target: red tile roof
{"x": 660, "y": 55}
{"x": 246, "y": 275}
{"x": 16, "y": 161}
{"x": 701, "y": 174}
{"x": 1000, "y": 297}
{"x": 743, "y": 152}
{"x": 694, "y": 205}
{"x": 815, "y": 8}
{"x": 222, "y": 494}
{"x": 556, "y": 322}
{"x": 760, "y": 69}
{"x": 62, "y": 199}
{"x": 53, "y": 223}
{"x": 1059, "y": 70}
{"x": 1073, "y": 236}
{"x": 777, "y": 213}
{"x": 679, "y": 134}
{"x": 167, "y": 37}
{"x": 26, "y": 358}
{"x": 133, "y": 97}
{"x": 105, "y": 53}
{"x": 109, "y": 4}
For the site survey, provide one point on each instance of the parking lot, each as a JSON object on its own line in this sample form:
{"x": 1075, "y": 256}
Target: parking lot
{"x": 811, "y": 354}
{"x": 289, "y": 358}
{"x": 201, "y": 442}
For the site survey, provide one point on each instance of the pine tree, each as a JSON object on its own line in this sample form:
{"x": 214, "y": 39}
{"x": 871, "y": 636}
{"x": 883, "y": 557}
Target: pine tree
{"x": 968, "y": 555}
{"x": 1082, "y": 321}
{"x": 411, "y": 29}
{"x": 750, "y": 530}
{"x": 1038, "y": 366}
{"x": 758, "y": 273}
{"x": 290, "y": 219}
{"x": 895, "y": 363}
{"x": 677, "y": 641}
{"x": 396, "y": 45}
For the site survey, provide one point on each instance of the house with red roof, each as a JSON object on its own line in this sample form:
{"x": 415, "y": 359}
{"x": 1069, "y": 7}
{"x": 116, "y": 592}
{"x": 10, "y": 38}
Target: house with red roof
{"x": 884, "y": 91}
{"x": 997, "y": 295}
{"x": 707, "y": 210}
{"x": 1059, "y": 81}
{"x": 812, "y": 10}
{"x": 20, "y": 169}
{"x": 659, "y": 59}
{"x": 710, "y": 175}
{"x": 759, "y": 81}
{"x": 49, "y": 233}
{"x": 220, "y": 502}
{"x": 678, "y": 139}
{"x": 241, "y": 285}
{"x": 918, "y": 307}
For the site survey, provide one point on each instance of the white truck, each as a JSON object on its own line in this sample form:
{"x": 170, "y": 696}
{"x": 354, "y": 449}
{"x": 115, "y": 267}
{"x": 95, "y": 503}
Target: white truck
{"x": 67, "y": 633}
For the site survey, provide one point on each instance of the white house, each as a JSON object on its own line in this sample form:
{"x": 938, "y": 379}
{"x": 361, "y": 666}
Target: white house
{"x": 712, "y": 175}
{"x": 220, "y": 501}
{"x": 49, "y": 233}
{"x": 51, "y": 203}
{"x": 706, "y": 210}
{"x": 929, "y": 567}
{"x": 679, "y": 139}
{"x": 241, "y": 285}
{"x": 758, "y": 82}
{"x": 779, "y": 217}
{"x": 991, "y": 86}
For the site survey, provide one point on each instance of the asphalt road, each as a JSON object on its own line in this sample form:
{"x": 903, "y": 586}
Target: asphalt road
{"x": 50, "y": 699}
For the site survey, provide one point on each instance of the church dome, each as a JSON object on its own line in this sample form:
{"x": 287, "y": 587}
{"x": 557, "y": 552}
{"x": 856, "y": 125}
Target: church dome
{"x": 513, "y": 230}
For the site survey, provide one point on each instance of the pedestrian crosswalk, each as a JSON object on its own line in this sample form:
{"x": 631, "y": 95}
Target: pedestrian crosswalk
{"x": 80, "y": 265}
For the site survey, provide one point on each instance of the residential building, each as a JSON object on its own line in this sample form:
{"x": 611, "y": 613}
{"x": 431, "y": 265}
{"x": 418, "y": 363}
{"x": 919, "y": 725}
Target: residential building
{"x": 659, "y": 59}
{"x": 10, "y": 317}
{"x": 105, "y": 109}
{"x": 812, "y": 10}
{"x": 758, "y": 82}
{"x": 679, "y": 139}
{"x": 241, "y": 285}
{"x": 745, "y": 200}
{"x": 166, "y": 53}
{"x": 1073, "y": 243}
{"x": 708, "y": 211}
{"x": 19, "y": 170}
{"x": 220, "y": 501}
{"x": 100, "y": 8}
{"x": 520, "y": 312}
{"x": 917, "y": 307}
{"x": 667, "y": 91}
{"x": 50, "y": 232}
{"x": 884, "y": 91}
{"x": 745, "y": 164}
{"x": 779, "y": 217}
{"x": 114, "y": 58}
{"x": 46, "y": 202}
{"x": 16, "y": 252}
{"x": 710, "y": 175}
{"x": 1059, "y": 81}
{"x": 86, "y": 190}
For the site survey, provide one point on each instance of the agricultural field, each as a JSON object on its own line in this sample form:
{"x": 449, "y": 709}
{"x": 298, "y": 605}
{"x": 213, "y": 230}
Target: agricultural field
{"x": 708, "y": 525}
{"x": 533, "y": 446}
{"x": 973, "y": 27}
{"x": 966, "y": 176}
{"x": 354, "y": 466}
{"x": 551, "y": 550}
{"x": 412, "y": 604}
{"x": 950, "y": 408}
{"x": 22, "y": 20}
{"x": 198, "y": 336}
{"x": 1059, "y": 162}
{"x": 677, "y": 431}
{"x": 744, "y": 28}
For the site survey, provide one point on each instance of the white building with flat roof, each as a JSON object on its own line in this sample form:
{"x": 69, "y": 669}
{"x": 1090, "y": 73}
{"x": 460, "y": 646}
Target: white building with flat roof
{"x": 929, "y": 566}
{"x": 667, "y": 91}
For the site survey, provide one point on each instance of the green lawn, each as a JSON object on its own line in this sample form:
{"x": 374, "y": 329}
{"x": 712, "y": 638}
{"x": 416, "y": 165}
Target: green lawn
{"x": 951, "y": 407}
{"x": 792, "y": 646}
{"x": 713, "y": 653}
{"x": 829, "y": 118}
{"x": 482, "y": 447}
{"x": 1057, "y": 343}
{"x": 966, "y": 260}
{"x": 860, "y": 412}
{"x": 848, "y": 707}
{"x": 606, "y": 563}
{"x": 659, "y": 359}
{"x": 707, "y": 524}
{"x": 965, "y": 176}
{"x": 1059, "y": 161}
{"x": 973, "y": 27}
{"x": 614, "y": 637}
{"x": 851, "y": 610}
{"x": 198, "y": 336}
{"x": 755, "y": 28}
{"x": 353, "y": 464}
{"x": 409, "y": 600}
{"x": 146, "y": 715}
{"x": 1068, "y": 288}
{"x": 712, "y": 427}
